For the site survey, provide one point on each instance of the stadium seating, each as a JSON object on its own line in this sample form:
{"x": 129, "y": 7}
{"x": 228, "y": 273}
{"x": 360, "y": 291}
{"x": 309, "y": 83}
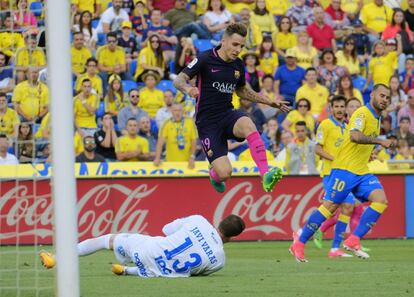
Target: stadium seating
{"x": 128, "y": 85}
{"x": 133, "y": 67}
{"x": 101, "y": 110}
{"x": 165, "y": 85}
{"x": 36, "y": 8}
{"x": 202, "y": 44}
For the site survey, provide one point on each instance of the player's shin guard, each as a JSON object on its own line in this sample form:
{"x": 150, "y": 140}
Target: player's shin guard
{"x": 258, "y": 151}
{"x": 340, "y": 229}
{"x": 90, "y": 246}
{"x": 315, "y": 220}
{"x": 369, "y": 218}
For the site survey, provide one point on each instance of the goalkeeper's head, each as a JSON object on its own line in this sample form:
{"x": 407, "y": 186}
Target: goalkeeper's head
{"x": 231, "y": 226}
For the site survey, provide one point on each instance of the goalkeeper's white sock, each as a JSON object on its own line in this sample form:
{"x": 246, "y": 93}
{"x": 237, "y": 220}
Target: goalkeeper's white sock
{"x": 93, "y": 245}
{"x": 131, "y": 270}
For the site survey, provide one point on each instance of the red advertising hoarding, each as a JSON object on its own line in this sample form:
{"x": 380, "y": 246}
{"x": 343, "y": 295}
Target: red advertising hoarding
{"x": 145, "y": 205}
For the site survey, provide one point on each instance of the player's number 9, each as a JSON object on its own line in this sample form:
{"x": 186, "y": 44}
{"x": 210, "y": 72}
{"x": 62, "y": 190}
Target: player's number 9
{"x": 178, "y": 250}
{"x": 339, "y": 185}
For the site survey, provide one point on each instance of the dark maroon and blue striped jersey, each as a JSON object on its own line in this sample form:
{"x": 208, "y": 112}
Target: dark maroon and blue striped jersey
{"x": 216, "y": 82}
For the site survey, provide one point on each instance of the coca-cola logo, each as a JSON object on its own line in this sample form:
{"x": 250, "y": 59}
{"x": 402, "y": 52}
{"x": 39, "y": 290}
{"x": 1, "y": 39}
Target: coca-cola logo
{"x": 33, "y": 216}
{"x": 265, "y": 213}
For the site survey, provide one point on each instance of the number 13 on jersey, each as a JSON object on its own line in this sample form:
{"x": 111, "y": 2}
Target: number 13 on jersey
{"x": 194, "y": 259}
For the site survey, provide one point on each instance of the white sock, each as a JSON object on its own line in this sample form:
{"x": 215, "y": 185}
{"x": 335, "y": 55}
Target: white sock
{"x": 131, "y": 271}
{"x": 334, "y": 249}
{"x": 90, "y": 246}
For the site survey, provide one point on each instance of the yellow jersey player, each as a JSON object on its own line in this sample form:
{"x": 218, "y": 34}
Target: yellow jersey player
{"x": 350, "y": 174}
{"x": 329, "y": 137}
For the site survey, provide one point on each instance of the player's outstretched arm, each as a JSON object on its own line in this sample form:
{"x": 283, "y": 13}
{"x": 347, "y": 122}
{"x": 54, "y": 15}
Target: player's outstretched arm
{"x": 361, "y": 138}
{"x": 180, "y": 83}
{"x": 246, "y": 92}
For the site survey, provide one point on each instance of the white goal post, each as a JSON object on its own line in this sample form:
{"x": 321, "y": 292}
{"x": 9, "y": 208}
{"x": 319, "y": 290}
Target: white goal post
{"x": 64, "y": 184}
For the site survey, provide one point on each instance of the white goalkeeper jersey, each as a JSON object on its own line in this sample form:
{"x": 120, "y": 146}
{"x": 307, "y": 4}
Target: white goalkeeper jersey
{"x": 192, "y": 246}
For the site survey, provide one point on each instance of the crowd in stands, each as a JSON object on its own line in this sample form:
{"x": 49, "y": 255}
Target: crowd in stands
{"x": 126, "y": 53}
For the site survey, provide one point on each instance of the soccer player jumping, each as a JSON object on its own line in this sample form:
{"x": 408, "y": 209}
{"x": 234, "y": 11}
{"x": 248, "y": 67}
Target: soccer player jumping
{"x": 350, "y": 174}
{"x": 219, "y": 73}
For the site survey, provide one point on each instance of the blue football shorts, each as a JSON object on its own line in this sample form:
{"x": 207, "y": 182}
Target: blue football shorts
{"x": 342, "y": 182}
{"x": 349, "y": 199}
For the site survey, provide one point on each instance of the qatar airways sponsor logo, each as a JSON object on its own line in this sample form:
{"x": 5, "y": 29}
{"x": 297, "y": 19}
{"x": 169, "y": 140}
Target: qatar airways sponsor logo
{"x": 267, "y": 212}
{"x": 222, "y": 87}
{"x": 34, "y": 216}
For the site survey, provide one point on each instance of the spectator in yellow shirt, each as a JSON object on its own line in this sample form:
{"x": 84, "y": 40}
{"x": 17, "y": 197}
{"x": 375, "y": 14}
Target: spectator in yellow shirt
{"x": 31, "y": 97}
{"x": 150, "y": 58}
{"x": 236, "y": 6}
{"x": 79, "y": 54}
{"x": 306, "y": 54}
{"x": 301, "y": 113}
{"x": 179, "y": 136}
{"x": 375, "y": 16}
{"x": 93, "y": 6}
{"x": 314, "y": 92}
{"x": 91, "y": 74}
{"x": 10, "y": 40}
{"x": 9, "y": 119}
{"x": 277, "y": 8}
{"x": 85, "y": 106}
{"x": 111, "y": 59}
{"x": 383, "y": 64}
{"x": 132, "y": 147}
{"x": 114, "y": 100}
{"x": 151, "y": 99}
{"x": 262, "y": 18}
{"x": 348, "y": 56}
{"x": 30, "y": 55}
{"x": 268, "y": 58}
{"x": 285, "y": 39}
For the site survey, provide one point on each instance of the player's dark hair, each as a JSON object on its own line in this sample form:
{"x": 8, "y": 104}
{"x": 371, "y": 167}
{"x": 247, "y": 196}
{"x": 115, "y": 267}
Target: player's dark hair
{"x": 402, "y": 119}
{"x": 131, "y": 119}
{"x": 236, "y": 28}
{"x": 352, "y": 99}
{"x": 377, "y": 86}
{"x": 301, "y": 123}
{"x": 307, "y": 102}
{"x": 232, "y": 226}
{"x": 2, "y": 94}
{"x": 3, "y": 136}
{"x": 338, "y": 98}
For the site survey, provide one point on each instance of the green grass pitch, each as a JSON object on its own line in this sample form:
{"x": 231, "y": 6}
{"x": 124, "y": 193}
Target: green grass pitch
{"x": 255, "y": 269}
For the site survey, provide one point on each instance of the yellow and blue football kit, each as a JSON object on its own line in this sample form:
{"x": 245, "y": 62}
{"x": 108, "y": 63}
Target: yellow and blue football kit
{"x": 330, "y": 135}
{"x": 350, "y": 168}
{"x": 350, "y": 174}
